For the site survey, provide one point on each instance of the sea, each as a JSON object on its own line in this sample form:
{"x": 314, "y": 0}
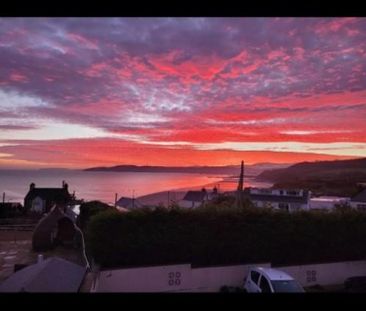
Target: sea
{"x": 103, "y": 186}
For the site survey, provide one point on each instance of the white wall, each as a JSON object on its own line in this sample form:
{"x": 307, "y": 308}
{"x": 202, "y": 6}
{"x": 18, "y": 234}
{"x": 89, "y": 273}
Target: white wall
{"x": 275, "y": 205}
{"x": 211, "y": 279}
{"x": 182, "y": 278}
{"x": 146, "y": 279}
{"x": 326, "y": 274}
{"x": 172, "y": 278}
{"x": 327, "y": 203}
{"x": 358, "y": 205}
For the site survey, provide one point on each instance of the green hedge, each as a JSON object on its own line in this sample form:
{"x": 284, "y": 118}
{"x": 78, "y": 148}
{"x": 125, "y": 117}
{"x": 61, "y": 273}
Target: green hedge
{"x": 220, "y": 236}
{"x": 89, "y": 209}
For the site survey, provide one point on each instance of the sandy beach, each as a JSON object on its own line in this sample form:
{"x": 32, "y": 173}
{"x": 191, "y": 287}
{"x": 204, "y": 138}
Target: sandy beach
{"x": 175, "y": 195}
{"x": 228, "y": 183}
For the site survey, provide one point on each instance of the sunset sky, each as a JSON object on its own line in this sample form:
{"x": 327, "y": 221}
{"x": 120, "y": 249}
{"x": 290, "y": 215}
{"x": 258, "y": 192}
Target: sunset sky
{"x": 83, "y": 92}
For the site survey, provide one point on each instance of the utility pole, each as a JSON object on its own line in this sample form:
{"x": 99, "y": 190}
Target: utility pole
{"x": 239, "y": 192}
{"x": 168, "y": 198}
{"x": 3, "y": 197}
{"x": 115, "y": 199}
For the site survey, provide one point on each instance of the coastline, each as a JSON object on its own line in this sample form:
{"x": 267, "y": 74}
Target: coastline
{"x": 175, "y": 195}
{"x": 228, "y": 183}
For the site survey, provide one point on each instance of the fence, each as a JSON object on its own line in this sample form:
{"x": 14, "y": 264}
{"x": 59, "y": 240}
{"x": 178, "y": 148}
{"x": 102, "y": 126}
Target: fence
{"x": 184, "y": 278}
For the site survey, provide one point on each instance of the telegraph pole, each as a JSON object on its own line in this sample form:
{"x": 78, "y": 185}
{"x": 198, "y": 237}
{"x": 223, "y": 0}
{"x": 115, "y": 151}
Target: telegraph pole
{"x": 239, "y": 192}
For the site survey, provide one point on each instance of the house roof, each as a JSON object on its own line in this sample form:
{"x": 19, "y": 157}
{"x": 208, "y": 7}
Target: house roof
{"x": 52, "y": 194}
{"x": 195, "y": 196}
{"x": 51, "y": 275}
{"x": 360, "y": 197}
{"x": 128, "y": 203}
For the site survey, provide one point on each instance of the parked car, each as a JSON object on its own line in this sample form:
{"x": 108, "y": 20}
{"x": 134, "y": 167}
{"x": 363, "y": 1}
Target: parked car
{"x": 268, "y": 280}
{"x": 355, "y": 284}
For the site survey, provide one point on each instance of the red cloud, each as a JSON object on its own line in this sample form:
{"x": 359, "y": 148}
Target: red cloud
{"x": 18, "y": 77}
{"x": 93, "y": 152}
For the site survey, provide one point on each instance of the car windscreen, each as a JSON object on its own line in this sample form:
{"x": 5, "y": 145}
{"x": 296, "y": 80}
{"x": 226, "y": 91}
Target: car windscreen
{"x": 288, "y": 286}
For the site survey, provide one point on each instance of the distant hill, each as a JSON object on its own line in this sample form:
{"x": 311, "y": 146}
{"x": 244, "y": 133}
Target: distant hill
{"x": 232, "y": 169}
{"x": 225, "y": 170}
{"x": 323, "y": 177}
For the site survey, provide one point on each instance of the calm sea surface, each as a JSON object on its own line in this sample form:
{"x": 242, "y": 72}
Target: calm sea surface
{"x": 103, "y": 185}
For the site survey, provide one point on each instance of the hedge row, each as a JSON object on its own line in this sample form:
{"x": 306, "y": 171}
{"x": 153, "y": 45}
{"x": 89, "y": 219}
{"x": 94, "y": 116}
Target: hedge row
{"x": 223, "y": 236}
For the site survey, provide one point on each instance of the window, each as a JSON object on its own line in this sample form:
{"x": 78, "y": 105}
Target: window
{"x": 254, "y": 275}
{"x": 264, "y": 286}
{"x": 293, "y": 192}
{"x": 288, "y": 286}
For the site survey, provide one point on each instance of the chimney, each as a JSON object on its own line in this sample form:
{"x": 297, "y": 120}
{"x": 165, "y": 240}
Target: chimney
{"x": 32, "y": 186}
{"x": 65, "y": 185}
{"x": 40, "y": 258}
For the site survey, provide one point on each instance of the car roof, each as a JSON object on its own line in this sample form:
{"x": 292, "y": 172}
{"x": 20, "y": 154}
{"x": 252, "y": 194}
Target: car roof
{"x": 273, "y": 274}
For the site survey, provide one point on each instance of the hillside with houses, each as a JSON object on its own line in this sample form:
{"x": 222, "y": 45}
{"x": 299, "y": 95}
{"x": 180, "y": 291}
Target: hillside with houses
{"x": 334, "y": 178}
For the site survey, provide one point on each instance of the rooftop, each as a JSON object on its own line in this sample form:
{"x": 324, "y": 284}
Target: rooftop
{"x": 50, "y": 193}
{"x": 360, "y": 197}
{"x": 51, "y": 275}
{"x": 195, "y": 196}
{"x": 128, "y": 203}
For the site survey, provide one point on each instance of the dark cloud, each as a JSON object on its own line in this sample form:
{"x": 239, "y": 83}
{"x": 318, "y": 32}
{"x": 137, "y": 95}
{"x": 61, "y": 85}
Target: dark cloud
{"x": 97, "y": 71}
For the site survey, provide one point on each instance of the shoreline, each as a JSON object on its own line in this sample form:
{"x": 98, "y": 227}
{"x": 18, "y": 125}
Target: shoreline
{"x": 228, "y": 183}
{"x": 177, "y": 194}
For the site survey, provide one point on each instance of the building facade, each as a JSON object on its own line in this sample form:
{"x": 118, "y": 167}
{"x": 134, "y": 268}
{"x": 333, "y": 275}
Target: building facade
{"x": 282, "y": 199}
{"x": 41, "y": 200}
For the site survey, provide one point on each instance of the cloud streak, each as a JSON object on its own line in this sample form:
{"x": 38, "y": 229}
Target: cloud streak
{"x": 184, "y": 82}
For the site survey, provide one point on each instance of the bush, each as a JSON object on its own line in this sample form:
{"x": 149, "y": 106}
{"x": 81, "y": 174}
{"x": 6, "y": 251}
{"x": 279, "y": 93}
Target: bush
{"x": 213, "y": 236}
{"x": 89, "y": 209}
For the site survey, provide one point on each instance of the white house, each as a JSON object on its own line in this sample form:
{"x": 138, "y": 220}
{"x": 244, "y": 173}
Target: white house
{"x": 327, "y": 202}
{"x": 290, "y": 200}
{"x": 194, "y": 199}
{"x": 125, "y": 203}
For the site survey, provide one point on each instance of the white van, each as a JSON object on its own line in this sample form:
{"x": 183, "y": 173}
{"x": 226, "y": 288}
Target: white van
{"x": 268, "y": 280}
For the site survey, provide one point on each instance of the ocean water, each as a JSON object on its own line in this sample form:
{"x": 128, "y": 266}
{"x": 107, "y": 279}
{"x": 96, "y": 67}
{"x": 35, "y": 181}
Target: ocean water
{"x": 103, "y": 185}
{"x": 98, "y": 185}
